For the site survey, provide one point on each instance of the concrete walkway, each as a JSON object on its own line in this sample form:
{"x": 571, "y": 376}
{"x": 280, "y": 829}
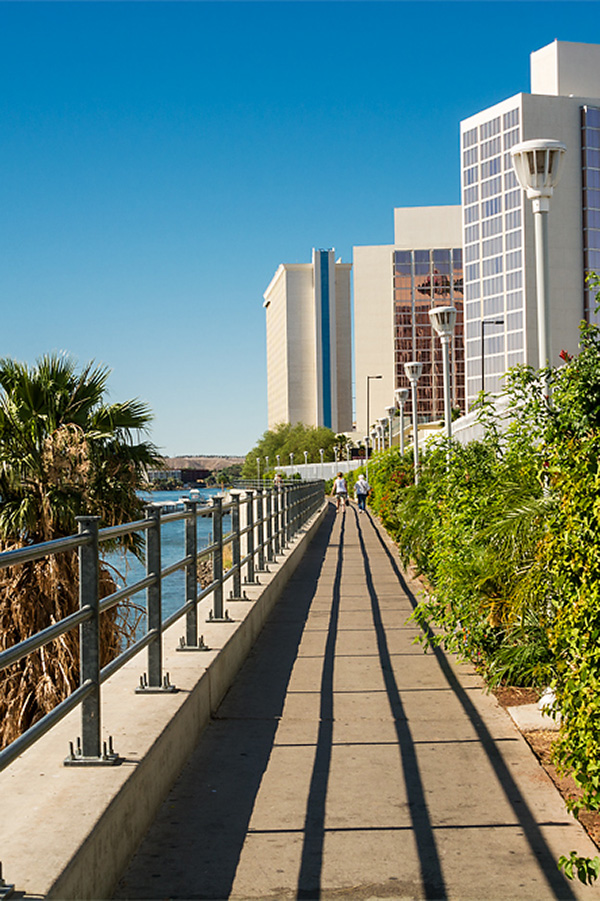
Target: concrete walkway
{"x": 346, "y": 763}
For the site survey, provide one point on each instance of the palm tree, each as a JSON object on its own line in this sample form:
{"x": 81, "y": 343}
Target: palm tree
{"x": 64, "y": 451}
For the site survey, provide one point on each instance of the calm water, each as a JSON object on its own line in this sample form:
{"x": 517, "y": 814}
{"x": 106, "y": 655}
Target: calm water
{"x": 172, "y": 549}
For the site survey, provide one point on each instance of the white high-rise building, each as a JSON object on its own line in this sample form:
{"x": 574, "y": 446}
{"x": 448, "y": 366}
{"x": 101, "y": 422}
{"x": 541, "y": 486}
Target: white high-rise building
{"x": 309, "y": 343}
{"x": 498, "y": 228}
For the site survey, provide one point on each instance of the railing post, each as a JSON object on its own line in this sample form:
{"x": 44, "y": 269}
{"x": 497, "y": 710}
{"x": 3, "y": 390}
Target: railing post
{"x": 190, "y": 641}
{"x": 89, "y": 748}
{"x": 260, "y": 529}
{"x": 218, "y": 614}
{"x": 236, "y": 593}
{"x": 271, "y": 500}
{"x": 250, "y": 576}
{"x": 154, "y": 681}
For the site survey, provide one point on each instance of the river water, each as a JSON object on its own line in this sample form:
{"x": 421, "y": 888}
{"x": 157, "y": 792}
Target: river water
{"x": 132, "y": 570}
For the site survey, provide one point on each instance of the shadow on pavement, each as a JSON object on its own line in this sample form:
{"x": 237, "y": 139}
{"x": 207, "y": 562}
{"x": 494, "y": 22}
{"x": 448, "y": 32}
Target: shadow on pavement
{"x": 194, "y": 846}
{"x": 547, "y": 861}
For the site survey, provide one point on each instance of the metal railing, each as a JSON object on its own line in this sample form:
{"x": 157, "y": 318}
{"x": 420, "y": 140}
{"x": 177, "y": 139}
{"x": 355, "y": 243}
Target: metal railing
{"x": 263, "y": 521}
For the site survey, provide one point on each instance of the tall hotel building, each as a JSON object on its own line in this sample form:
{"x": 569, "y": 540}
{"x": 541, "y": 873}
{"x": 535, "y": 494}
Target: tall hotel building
{"x": 309, "y": 343}
{"x": 498, "y": 228}
{"x": 395, "y": 285}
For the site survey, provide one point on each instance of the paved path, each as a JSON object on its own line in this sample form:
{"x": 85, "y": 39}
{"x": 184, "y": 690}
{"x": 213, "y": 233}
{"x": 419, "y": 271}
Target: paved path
{"x": 346, "y": 763}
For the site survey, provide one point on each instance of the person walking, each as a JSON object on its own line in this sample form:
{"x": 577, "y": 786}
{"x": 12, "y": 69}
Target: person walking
{"x": 362, "y": 489}
{"x": 340, "y": 490}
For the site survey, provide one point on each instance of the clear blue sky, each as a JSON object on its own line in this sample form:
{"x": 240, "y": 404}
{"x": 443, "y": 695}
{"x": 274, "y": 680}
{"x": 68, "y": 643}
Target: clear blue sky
{"x": 159, "y": 160}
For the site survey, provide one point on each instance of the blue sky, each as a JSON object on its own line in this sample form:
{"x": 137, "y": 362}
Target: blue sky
{"x": 159, "y": 160}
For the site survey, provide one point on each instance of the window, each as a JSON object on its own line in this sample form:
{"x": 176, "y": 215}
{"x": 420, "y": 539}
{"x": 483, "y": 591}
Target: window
{"x": 513, "y": 199}
{"x": 471, "y": 195}
{"x": 492, "y": 266}
{"x": 471, "y": 214}
{"x": 511, "y": 118}
{"x": 492, "y": 246}
{"x": 513, "y": 239}
{"x": 470, "y": 137}
{"x": 491, "y": 227}
{"x": 514, "y": 301}
{"x": 473, "y": 291}
{"x": 514, "y": 280}
{"x": 471, "y": 234}
{"x": 491, "y": 167}
{"x": 491, "y": 148}
{"x": 472, "y": 272}
{"x": 470, "y": 156}
{"x": 513, "y": 220}
{"x": 513, "y": 260}
{"x": 489, "y": 129}
{"x": 491, "y": 187}
{"x": 493, "y": 286}
{"x": 491, "y": 207}
{"x": 471, "y": 253}
{"x": 470, "y": 176}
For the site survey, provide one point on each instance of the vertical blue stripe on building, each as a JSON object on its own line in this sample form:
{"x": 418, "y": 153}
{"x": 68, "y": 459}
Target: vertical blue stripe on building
{"x": 325, "y": 338}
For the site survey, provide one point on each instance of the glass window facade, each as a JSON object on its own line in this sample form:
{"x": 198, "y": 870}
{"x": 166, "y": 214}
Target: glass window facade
{"x": 493, "y": 253}
{"x": 590, "y": 151}
{"x": 425, "y": 279}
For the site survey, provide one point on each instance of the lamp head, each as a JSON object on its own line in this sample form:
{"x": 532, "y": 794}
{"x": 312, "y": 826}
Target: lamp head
{"x": 443, "y": 320}
{"x": 413, "y": 371}
{"x": 401, "y": 395}
{"x": 390, "y": 411}
{"x": 538, "y": 165}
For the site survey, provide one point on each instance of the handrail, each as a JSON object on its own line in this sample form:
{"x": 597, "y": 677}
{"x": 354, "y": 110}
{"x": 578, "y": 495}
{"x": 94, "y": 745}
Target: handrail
{"x": 264, "y": 518}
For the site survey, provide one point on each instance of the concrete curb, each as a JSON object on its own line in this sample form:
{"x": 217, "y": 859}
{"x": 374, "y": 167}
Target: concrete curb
{"x": 69, "y": 832}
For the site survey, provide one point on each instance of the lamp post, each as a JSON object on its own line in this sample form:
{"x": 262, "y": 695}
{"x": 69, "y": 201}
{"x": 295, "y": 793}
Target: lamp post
{"x": 390, "y": 412}
{"x": 291, "y": 458}
{"x": 266, "y": 466}
{"x": 443, "y": 320}
{"x": 413, "y": 370}
{"x": 321, "y": 452}
{"x": 305, "y": 458}
{"x": 278, "y": 458}
{"x": 369, "y": 378}
{"x": 336, "y": 451}
{"x": 401, "y": 395}
{"x": 538, "y": 164}
{"x": 366, "y": 440}
{"x": 375, "y": 440}
{"x": 258, "y": 469}
{"x": 485, "y": 322}
{"x": 381, "y": 428}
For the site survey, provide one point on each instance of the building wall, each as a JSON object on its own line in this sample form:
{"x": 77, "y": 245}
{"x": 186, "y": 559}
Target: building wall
{"x": 377, "y": 351}
{"x": 373, "y": 331}
{"x": 300, "y": 302}
{"x": 277, "y": 349}
{"x": 502, "y": 283}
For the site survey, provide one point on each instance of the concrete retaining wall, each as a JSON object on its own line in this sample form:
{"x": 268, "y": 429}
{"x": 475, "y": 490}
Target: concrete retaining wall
{"x": 69, "y": 832}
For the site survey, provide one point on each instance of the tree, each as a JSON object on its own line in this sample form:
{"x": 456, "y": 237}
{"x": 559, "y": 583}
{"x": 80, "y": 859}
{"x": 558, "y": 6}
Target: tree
{"x": 64, "y": 452}
{"x": 285, "y": 439}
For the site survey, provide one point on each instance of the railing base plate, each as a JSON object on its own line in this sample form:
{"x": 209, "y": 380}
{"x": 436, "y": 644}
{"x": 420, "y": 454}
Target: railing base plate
{"x": 145, "y": 689}
{"x": 201, "y": 646}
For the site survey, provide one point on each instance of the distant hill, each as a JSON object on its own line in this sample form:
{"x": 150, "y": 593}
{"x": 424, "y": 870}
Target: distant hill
{"x": 212, "y": 463}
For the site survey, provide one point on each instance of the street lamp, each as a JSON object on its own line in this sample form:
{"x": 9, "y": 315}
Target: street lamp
{"x": 335, "y": 452}
{"x": 291, "y": 459}
{"x": 485, "y": 322}
{"x": 538, "y": 165}
{"x": 375, "y": 439}
{"x": 443, "y": 320}
{"x": 401, "y": 395}
{"x": 278, "y": 458}
{"x": 369, "y": 377}
{"x": 305, "y": 458}
{"x": 390, "y": 412}
{"x": 258, "y": 469}
{"x": 413, "y": 370}
{"x": 381, "y": 428}
{"x": 366, "y": 440}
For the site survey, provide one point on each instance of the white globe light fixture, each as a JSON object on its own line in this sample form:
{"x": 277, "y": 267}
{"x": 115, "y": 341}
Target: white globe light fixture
{"x": 413, "y": 370}
{"x": 443, "y": 320}
{"x": 401, "y": 395}
{"x": 538, "y": 165}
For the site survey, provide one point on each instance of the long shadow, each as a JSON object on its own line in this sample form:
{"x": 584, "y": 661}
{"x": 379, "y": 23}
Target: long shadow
{"x": 531, "y": 828}
{"x": 309, "y": 878}
{"x": 193, "y": 848}
{"x": 429, "y": 859}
